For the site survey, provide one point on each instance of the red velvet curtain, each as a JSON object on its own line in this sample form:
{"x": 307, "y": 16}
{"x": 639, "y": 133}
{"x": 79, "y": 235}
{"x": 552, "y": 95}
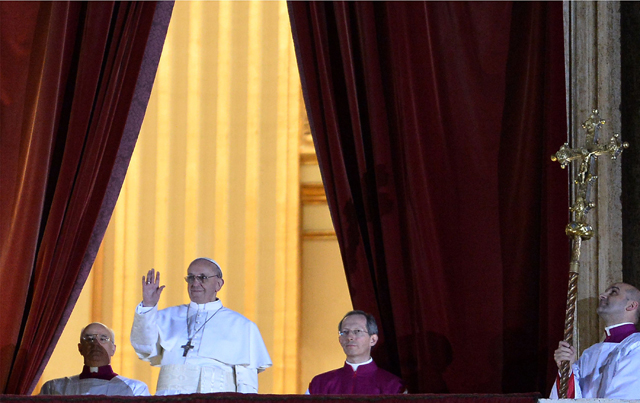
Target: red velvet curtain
{"x": 69, "y": 72}
{"x": 434, "y": 123}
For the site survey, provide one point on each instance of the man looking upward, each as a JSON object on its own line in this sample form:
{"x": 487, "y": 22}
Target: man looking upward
{"x": 358, "y": 333}
{"x": 608, "y": 369}
{"x": 201, "y": 347}
{"x": 97, "y": 346}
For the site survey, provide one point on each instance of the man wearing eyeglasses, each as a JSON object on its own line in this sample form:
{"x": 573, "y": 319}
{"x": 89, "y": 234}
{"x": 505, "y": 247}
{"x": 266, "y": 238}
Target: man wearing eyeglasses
{"x": 201, "y": 347}
{"x": 97, "y": 346}
{"x": 358, "y": 333}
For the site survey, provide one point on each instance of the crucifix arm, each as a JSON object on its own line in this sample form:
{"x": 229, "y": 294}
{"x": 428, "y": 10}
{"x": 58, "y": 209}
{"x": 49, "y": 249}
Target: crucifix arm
{"x": 567, "y": 154}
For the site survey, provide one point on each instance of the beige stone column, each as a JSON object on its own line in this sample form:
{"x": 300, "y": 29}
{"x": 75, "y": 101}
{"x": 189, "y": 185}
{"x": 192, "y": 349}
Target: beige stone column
{"x": 592, "y": 55}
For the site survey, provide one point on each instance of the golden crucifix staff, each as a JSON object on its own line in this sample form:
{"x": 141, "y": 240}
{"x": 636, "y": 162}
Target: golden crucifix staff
{"x": 578, "y": 229}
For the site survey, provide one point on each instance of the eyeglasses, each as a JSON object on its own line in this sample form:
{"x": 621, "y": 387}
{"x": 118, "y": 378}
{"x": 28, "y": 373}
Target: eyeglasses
{"x": 201, "y": 278}
{"x": 356, "y": 333}
{"x": 96, "y": 337}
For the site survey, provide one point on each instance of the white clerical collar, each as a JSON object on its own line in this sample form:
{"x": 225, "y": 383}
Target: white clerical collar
{"x": 209, "y": 306}
{"x": 606, "y": 329}
{"x": 355, "y": 366}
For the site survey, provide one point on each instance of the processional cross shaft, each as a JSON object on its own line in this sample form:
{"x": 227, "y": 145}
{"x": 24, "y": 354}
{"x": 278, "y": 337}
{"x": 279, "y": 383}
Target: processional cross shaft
{"x": 578, "y": 229}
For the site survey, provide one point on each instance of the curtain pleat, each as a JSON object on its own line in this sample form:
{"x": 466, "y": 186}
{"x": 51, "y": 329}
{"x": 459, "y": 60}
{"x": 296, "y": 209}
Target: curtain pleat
{"x": 69, "y": 72}
{"x": 433, "y": 123}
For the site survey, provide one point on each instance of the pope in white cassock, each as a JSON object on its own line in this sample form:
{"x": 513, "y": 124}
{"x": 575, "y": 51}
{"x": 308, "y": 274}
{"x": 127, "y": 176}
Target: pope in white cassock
{"x": 610, "y": 369}
{"x": 201, "y": 347}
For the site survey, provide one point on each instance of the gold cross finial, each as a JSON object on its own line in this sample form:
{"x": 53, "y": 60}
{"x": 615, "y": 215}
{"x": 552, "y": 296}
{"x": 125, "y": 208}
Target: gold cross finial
{"x": 578, "y": 229}
{"x": 587, "y": 155}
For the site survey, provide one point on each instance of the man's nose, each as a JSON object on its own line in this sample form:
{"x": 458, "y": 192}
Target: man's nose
{"x": 603, "y": 296}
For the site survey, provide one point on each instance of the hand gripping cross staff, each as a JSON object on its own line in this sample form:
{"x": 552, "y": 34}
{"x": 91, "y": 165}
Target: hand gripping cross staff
{"x": 578, "y": 229}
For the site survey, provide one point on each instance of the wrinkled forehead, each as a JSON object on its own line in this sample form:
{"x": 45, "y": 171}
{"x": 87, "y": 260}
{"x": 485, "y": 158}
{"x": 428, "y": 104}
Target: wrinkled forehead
{"x": 96, "y": 328}
{"x": 353, "y": 322}
{"x": 202, "y": 267}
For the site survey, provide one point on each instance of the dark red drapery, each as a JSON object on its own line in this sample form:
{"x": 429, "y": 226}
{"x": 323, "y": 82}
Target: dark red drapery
{"x": 433, "y": 123}
{"x": 75, "y": 78}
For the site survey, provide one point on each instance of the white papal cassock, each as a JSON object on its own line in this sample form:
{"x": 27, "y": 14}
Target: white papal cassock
{"x": 608, "y": 370}
{"x": 227, "y": 355}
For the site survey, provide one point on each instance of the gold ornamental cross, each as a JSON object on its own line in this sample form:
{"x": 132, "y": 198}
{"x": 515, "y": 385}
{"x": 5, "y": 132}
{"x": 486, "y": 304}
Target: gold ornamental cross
{"x": 578, "y": 229}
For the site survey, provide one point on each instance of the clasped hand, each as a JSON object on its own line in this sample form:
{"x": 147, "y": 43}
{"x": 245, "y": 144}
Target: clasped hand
{"x": 565, "y": 352}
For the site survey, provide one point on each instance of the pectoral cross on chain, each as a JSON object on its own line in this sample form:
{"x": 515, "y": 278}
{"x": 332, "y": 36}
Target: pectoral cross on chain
{"x": 578, "y": 229}
{"x": 186, "y": 348}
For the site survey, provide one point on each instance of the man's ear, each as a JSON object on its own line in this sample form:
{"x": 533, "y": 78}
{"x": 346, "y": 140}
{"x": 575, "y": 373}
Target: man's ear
{"x": 632, "y": 305}
{"x": 221, "y": 284}
{"x": 373, "y": 340}
{"x": 80, "y": 348}
{"x": 114, "y": 350}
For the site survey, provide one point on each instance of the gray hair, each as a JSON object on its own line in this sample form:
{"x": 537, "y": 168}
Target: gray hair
{"x": 372, "y": 326}
{"x": 210, "y": 261}
{"x": 113, "y": 335}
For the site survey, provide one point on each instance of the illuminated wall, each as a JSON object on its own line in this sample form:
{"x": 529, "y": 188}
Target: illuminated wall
{"x": 222, "y": 160}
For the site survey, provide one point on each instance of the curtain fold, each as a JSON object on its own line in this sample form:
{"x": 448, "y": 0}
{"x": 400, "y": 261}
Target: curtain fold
{"x": 68, "y": 75}
{"x": 433, "y": 123}
{"x": 533, "y": 198}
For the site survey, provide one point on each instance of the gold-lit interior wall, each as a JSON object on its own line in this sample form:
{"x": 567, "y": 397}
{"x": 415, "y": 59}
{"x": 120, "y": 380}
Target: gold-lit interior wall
{"x": 224, "y": 167}
{"x": 324, "y": 293}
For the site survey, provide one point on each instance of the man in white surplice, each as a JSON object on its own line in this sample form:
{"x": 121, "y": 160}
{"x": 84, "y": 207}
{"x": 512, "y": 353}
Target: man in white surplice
{"x": 608, "y": 369}
{"x": 97, "y": 346}
{"x": 201, "y": 347}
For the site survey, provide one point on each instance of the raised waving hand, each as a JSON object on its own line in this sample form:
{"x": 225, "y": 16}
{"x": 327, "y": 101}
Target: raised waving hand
{"x": 151, "y": 288}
